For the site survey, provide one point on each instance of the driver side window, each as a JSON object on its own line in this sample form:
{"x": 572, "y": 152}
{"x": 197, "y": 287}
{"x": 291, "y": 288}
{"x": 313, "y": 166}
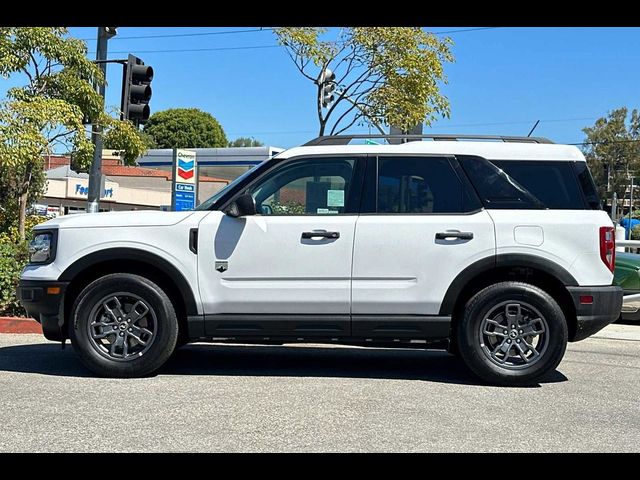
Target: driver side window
{"x": 318, "y": 186}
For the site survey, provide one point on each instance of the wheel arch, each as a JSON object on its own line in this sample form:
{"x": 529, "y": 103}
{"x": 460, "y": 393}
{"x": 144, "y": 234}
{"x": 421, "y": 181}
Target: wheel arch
{"x": 130, "y": 260}
{"x": 537, "y": 271}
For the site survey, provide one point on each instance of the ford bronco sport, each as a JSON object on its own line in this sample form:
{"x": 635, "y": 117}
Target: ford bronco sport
{"x": 497, "y": 246}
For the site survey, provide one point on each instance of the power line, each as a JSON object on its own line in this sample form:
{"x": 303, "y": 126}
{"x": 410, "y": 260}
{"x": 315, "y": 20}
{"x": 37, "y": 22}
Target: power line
{"x": 515, "y": 122}
{"x": 604, "y": 142}
{"x": 466, "y": 30}
{"x": 218, "y": 49}
{"x": 459, "y": 125}
{"x": 175, "y": 35}
{"x": 253, "y": 30}
{"x": 183, "y": 50}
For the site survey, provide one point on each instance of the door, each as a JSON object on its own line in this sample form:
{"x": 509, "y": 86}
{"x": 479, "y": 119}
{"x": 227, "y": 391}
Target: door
{"x": 425, "y": 225}
{"x": 287, "y": 270}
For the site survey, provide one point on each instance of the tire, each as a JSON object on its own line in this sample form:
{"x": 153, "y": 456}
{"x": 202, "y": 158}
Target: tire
{"x": 486, "y": 331}
{"x": 137, "y": 344}
{"x": 180, "y": 343}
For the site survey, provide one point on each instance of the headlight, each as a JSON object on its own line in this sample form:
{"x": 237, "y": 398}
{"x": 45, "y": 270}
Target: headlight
{"x": 42, "y": 247}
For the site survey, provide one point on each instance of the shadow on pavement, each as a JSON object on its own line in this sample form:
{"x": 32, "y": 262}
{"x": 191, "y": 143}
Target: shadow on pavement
{"x": 265, "y": 361}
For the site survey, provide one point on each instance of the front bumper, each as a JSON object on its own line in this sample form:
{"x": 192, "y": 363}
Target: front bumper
{"x": 593, "y": 317}
{"x": 39, "y": 300}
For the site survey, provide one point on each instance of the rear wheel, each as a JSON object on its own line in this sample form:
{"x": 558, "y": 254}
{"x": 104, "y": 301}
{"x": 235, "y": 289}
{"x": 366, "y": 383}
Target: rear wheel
{"x": 123, "y": 325}
{"x": 512, "y": 333}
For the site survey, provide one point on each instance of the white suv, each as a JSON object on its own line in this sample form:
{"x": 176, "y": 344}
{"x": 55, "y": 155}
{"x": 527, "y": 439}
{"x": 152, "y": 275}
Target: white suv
{"x": 496, "y": 247}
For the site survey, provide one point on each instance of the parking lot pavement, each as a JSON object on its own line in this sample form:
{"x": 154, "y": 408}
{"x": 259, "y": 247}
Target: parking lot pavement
{"x": 318, "y": 398}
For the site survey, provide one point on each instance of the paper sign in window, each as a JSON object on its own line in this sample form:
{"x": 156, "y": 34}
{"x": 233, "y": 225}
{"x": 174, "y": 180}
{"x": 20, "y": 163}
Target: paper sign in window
{"x": 326, "y": 211}
{"x": 335, "y": 198}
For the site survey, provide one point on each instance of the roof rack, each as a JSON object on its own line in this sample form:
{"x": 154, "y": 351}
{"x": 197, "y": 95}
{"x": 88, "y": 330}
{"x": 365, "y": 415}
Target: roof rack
{"x": 346, "y": 139}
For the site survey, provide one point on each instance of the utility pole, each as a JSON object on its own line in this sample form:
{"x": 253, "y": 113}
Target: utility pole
{"x": 95, "y": 174}
{"x": 630, "y": 207}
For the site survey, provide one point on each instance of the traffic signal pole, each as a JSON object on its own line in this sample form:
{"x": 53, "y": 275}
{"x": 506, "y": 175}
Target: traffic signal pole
{"x": 95, "y": 174}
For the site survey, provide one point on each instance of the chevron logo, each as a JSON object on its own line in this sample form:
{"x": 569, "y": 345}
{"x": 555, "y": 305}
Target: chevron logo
{"x": 186, "y": 165}
{"x": 186, "y": 174}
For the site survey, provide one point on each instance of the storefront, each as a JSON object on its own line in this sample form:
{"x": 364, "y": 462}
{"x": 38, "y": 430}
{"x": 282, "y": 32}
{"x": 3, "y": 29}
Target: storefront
{"x": 125, "y": 188}
{"x": 224, "y": 163}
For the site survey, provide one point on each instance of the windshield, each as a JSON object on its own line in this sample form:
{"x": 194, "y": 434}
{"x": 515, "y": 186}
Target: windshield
{"x": 209, "y": 202}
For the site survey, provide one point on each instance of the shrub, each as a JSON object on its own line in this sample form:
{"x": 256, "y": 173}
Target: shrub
{"x": 13, "y": 258}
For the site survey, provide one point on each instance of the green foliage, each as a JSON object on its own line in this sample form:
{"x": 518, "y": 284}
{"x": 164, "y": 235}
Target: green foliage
{"x": 613, "y": 144}
{"x": 185, "y": 128}
{"x": 635, "y": 233}
{"x": 124, "y": 137}
{"x": 288, "y": 208}
{"x": 246, "y": 142}
{"x": 13, "y": 258}
{"x": 384, "y": 75}
{"x": 46, "y": 114}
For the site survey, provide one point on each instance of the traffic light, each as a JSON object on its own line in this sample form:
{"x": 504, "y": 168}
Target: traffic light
{"x": 327, "y": 86}
{"x": 136, "y": 90}
{"x": 109, "y": 31}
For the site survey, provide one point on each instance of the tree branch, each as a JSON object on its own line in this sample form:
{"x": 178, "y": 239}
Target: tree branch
{"x": 343, "y": 94}
{"x": 355, "y": 119}
{"x": 60, "y": 135}
{"x": 295, "y": 62}
{"x": 344, "y": 114}
{"x": 35, "y": 64}
{"x": 26, "y": 71}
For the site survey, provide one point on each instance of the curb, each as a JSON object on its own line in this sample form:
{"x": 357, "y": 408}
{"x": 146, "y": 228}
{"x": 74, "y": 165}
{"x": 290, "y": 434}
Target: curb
{"x": 19, "y": 325}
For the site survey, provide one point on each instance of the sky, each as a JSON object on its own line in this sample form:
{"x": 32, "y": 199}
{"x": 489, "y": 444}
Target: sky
{"x": 502, "y": 81}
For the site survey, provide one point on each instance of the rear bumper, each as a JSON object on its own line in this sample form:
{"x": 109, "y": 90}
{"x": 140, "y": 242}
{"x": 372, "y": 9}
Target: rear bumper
{"x": 47, "y": 308}
{"x": 593, "y": 317}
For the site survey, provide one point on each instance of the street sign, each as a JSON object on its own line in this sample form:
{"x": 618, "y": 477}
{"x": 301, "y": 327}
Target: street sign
{"x": 184, "y": 187}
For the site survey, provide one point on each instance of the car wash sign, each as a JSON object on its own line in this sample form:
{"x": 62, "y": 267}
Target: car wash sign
{"x": 184, "y": 190}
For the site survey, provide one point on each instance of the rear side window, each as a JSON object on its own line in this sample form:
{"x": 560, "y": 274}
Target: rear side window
{"x": 421, "y": 185}
{"x": 587, "y": 184}
{"x": 521, "y": 184}
{"x": 495, "y": 188}
{"x": 552, "y": 182}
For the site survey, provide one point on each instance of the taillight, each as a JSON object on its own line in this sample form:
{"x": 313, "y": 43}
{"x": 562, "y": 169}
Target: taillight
{"x": 608, "y": 247}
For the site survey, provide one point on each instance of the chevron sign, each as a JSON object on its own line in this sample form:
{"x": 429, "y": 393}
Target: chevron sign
{"x": 185, "y": 173}
{"x": 186, "y": 168}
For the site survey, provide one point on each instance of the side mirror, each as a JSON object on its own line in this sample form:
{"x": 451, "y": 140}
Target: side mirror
{"x": 242, "y": 206}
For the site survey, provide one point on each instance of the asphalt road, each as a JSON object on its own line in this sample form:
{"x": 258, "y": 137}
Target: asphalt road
{"x": 318, "y": 398}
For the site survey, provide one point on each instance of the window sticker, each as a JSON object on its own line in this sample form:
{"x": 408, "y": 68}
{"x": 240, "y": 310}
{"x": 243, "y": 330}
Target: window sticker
{"x": 335, "y": 198}
{"x": 326, "y": 211}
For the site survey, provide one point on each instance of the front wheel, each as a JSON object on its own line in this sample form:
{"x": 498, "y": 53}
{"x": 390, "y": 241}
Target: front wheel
{"x": 512, "y": 333}
{"x": 123, "y": 325}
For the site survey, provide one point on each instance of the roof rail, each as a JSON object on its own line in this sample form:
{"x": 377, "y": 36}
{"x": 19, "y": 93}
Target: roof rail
{"x": 346, "y": 139}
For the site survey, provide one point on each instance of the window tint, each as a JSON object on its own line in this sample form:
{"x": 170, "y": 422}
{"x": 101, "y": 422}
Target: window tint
{"x": 495, "y": 188}
{"x": 552, "y": 182}
{"x": 588, "y": 187}
{"x": 420, "y": 185}
{"x": 520, "y": 184}
{"x": 318, "y": 186}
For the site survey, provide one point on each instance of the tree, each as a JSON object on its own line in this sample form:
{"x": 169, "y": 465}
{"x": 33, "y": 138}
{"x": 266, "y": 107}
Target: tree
{"x": 185, "y": 128}
{"x": 113, "y": 142}
{"x": 246, "y": 142}
{"x": 384, "y": 75}
{"x": 46, "y": 114}
{"x": 612, "y": 150}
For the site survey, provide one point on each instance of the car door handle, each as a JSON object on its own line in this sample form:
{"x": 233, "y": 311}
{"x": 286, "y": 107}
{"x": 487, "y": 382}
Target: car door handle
{"x": 320, "y": 234}
{"x": 458, "y": 235}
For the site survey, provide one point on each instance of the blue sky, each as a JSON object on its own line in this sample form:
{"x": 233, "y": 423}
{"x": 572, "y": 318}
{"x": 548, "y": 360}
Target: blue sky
{"x": 503, "y": 79}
